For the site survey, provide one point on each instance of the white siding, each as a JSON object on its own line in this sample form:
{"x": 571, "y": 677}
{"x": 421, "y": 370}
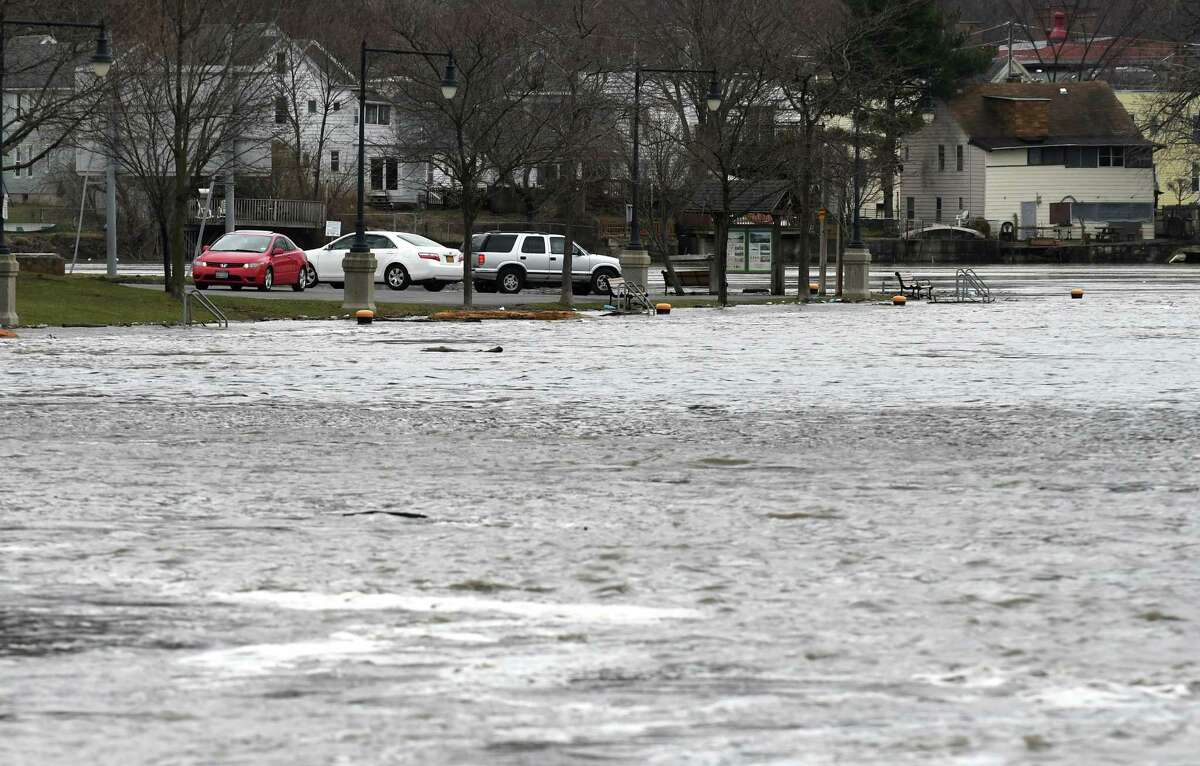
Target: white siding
{"x": 924, "y": 182}
{"x": 1011, "y": 181}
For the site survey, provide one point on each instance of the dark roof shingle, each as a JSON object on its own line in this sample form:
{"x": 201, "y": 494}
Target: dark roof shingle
{"x": 1006, "y": 115}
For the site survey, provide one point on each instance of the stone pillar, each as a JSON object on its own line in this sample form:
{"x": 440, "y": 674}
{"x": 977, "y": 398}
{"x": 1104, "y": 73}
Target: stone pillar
{"x": 359, "y": 289}
{"x": 8, "y": 290}
{"x": 635, "y": 266}
{"x": 857, "y": 273}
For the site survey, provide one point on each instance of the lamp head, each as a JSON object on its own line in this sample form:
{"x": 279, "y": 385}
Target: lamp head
{"x": 102, "y": 60}
{"x": 450, "y": 80}
{"x": 713, "y": 99}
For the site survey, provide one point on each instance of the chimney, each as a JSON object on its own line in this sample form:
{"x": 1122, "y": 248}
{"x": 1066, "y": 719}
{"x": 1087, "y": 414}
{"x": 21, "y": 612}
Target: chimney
{"x": 1024, "y": 118}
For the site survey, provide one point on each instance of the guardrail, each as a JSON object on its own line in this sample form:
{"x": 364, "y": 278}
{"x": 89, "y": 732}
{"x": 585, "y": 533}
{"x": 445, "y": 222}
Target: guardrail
{"x": 301, "y": 213}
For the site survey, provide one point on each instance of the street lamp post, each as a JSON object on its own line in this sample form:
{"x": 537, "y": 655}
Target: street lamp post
{"x": 358, "y": 266}
{"x": 635, "y": 262}
{"x": 101, "y": 63}
{"x": 858, "y": 257}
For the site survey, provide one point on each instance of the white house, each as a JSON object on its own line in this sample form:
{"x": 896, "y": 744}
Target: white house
{"x": 37, "y": 83}
{"x": 1036, "y": 156}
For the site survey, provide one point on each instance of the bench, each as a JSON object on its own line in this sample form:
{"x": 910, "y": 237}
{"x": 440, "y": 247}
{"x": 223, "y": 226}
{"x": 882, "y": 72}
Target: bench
{"x": 692, "y": 271}
{"x": 913, "y": 287}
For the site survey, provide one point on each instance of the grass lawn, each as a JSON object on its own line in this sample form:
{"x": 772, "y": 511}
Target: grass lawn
{"x": 44, "y": 300}
{"x": 94, "y": 300}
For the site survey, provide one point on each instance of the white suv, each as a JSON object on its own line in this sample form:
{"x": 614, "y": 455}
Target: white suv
{"x": 508, "y": 261}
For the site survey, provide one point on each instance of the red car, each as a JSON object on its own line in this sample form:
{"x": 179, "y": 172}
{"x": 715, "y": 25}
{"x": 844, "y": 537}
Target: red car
{"x": 259, "y": 259}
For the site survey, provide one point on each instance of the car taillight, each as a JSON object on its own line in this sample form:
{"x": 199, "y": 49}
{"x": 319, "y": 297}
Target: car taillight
{"x": 482, "y": 258}
{"x": 430, "y": 256}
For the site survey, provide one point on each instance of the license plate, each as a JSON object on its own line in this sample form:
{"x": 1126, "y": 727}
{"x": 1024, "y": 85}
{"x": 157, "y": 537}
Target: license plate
{"x": 449, "y": 259}
{"x": 222, "y": 275}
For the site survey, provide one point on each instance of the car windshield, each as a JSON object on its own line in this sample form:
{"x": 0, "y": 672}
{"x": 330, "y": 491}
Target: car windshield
{"x": 242, "y": 243}
{"x": 417, "y": 239}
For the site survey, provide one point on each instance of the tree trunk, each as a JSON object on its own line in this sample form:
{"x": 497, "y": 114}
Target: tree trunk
{"x": 887, "y": 179}
{"x": 566, "y": 296}
{"x": 164, "y": 242}
{"x": 178, "y": 231}
{"x": 468, "y": 219}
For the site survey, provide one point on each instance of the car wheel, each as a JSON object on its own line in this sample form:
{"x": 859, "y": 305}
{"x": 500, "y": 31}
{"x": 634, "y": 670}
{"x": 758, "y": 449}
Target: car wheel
{"x": 235, "y": 287}
{"x": 268, "y": 281}
{"x": 337, "y": 285}
{"x": 301, "y": 281}
{"x": 483, "y": 286}
{"x": 581, "y": 288}
{"x": 201, "y": 286}
{"x": 509, "y": 281}
{"x": 396, "y": 277}
{"x": 600, "y": 281}
{"x": 310, "y": 276}
{"x": 434, "y": 286}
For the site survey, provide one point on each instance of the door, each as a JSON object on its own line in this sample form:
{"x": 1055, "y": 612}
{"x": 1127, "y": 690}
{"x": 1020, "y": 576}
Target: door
{"x": 290, "y": 263}
{"x": 1028, "y": 220}
{"x": 385, "y": 252}
{"x": 537, "y": 260}
{"x": 581, "y": 262}
{"x": 328, "y": 260}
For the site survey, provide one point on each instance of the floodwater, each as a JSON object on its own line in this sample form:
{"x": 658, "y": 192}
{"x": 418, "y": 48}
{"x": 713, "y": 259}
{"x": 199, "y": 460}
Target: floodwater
{"x": 831, "y": 534}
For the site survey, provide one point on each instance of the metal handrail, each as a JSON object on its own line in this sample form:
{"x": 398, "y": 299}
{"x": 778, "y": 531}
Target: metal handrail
{"x": 969, "y": 287}
{"x": 203, "y": 300}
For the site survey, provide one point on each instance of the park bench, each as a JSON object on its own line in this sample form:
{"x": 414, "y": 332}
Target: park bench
{"x": 913, "y": 287}
{"x": 692, "y": 271}
{"x": 628, "y": 296}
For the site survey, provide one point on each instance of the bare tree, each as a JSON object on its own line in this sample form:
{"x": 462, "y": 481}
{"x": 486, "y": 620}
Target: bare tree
{"x": 731, "y": 147}
{"x": 498, "y": 73}
{"x": 195, "y": 100}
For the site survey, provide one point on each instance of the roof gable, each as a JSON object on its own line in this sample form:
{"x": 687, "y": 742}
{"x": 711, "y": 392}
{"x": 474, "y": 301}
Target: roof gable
{"x": 1000, "y": 115}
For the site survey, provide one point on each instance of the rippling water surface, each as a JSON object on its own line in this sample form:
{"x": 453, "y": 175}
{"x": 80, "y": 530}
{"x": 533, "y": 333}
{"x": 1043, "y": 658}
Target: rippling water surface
{"x": 832, "y": 534}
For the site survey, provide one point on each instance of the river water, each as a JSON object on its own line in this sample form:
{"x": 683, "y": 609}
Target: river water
{"x": 830, "y": 534}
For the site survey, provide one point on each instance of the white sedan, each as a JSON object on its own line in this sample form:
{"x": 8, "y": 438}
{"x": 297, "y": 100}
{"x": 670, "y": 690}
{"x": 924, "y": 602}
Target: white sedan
{"x": 401, "y": 259}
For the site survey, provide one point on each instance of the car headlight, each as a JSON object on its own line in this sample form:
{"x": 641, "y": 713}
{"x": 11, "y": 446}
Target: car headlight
{"x": 251, "y": 266}
{"x": 198, "y": 263}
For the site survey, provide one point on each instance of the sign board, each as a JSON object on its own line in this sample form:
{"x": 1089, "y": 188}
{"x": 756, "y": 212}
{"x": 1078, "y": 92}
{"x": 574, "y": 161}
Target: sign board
{"x": 821, "y": 213}
{"x": 333, "y": 228}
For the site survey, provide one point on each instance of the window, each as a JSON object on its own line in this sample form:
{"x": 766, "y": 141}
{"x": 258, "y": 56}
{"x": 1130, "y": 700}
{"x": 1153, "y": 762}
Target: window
{"x": 1083, "y": 157}
{"x": 417, "y": 239}
{"x": 557, "y": 243}
{"x": 335, "y": 161}
{"x": 341, "y": 244}
{"x": 910, "y": 208}
{"x": 960, "y": 205}
{"x": 376, "y": 174}
{"x": 498, "y": 243}
{"x": 239, "y": 242}
{"x": 280, "y": 63}
{"x": 312, "y": 106}
{"x": 1112, "y": 156}
{"x": 379, "y": 242}
{"x": 941, "y": 157}
{"x": 906, "y": 152}
{"x": 1048, "y": 155}
{"x": 1139, "y": 157}
{"x": 285, "y": 243}
{"x": 337, "y": 106}
{"x": 534, "y": 244}
{"x": 958, "y": 157}
{"x": 280, "y": 110}
{"x": 938, "y": 214}
{"x": 378, "y": 114}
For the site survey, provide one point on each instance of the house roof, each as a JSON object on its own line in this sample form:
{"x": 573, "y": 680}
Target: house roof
{"x": 37, "y": 61}
{"x": 746, "y": 197}
{"x": 1018, "y": 115}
